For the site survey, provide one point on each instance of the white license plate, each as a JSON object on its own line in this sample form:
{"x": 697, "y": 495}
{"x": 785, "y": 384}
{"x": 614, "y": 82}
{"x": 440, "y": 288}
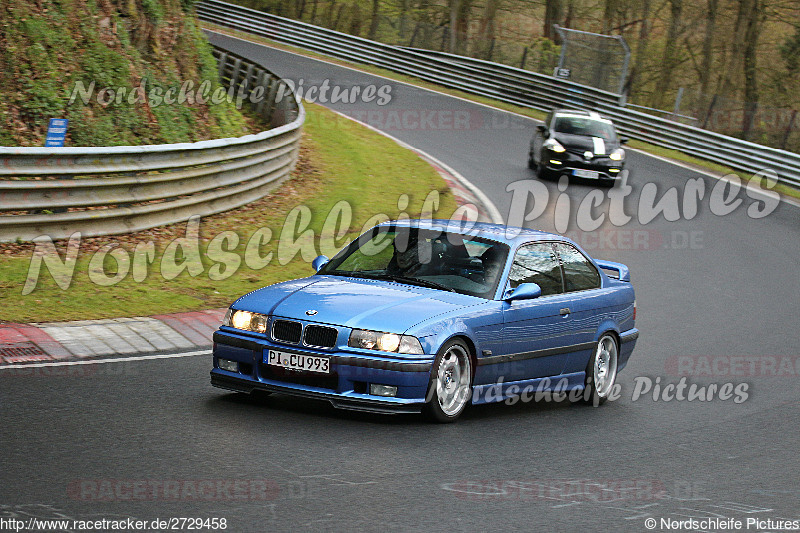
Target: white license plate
{"x": 580, "y": 173}
{"x": 293, "y": 361}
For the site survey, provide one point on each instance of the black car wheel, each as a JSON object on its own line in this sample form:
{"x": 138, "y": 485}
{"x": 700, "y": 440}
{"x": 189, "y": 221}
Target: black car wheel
{"x": 601, "y": 372}
{"x": 450, "y": 388}
{"x": 543, "y": 172}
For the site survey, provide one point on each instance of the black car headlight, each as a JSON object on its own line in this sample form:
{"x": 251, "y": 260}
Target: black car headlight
{"x": 554, "y": 146}
{"x": 246, "y": 320}
{"x": 617, "y": 155}
{"x": 384, "y": 342}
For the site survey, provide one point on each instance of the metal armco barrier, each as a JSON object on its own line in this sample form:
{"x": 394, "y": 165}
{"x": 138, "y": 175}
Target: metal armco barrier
{"x": 508, "y": 84}
{"x": 112, "y": 190}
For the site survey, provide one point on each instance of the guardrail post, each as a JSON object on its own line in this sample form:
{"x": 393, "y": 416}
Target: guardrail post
{"x": 273, "y": 90}
{"x": 245, "y": 85}
{"x": 222, "y": 61}
{"x": 676, "y": 110}
{"x": 262, "y": 80}
{"x": 237, "y": 66}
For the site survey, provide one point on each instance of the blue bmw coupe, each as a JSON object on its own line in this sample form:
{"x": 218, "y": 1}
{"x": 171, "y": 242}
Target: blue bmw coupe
{"x": 427, "y": 316}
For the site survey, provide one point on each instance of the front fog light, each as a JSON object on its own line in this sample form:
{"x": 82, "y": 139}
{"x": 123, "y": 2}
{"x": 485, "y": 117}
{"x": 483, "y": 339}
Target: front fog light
{"x": 382, "y": 390}
{"x": 227, "y": 364}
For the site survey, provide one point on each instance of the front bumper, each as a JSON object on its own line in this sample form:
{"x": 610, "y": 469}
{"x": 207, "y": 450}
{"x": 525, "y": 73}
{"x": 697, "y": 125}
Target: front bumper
{"x": 573, "y": 165}
{"x": 346, "y": 386}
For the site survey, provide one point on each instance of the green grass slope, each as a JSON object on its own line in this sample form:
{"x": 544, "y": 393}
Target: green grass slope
{"x": 49, "y": 46}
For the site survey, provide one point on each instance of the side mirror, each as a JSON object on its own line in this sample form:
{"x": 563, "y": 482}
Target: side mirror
{"x": 319, "y": 262}
{"x": 525, "y": 291}
{"x": 541, "y": 128}
{"x": 623, "y": 140}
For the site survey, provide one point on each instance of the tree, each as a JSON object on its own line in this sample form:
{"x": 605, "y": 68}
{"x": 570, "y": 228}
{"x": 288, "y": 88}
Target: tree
{"x": 553, "y": 14}
{"x": 486, "y": 32}
{"x": 753, "y": 24}
{"x": 670, "y": 58}
{"x": 374, "y": 18}
{"x": 642, "y": 44}
{"x": 708, "y": 44}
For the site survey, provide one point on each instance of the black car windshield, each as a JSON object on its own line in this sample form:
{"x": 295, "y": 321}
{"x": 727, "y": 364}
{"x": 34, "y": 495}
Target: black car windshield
{"x": 586, "y": 126}
{"x": 427, "y": 258}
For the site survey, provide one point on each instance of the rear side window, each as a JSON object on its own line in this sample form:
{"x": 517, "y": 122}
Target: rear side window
{"x": 537, "y": 263}
{"x": 579, "y": 273}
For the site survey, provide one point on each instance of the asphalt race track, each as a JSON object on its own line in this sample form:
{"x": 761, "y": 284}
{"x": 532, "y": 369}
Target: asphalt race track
{"x": 717, "y": 301}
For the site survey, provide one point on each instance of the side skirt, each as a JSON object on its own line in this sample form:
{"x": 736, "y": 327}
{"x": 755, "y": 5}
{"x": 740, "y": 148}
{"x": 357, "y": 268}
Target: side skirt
{"x": 529, "y": 389}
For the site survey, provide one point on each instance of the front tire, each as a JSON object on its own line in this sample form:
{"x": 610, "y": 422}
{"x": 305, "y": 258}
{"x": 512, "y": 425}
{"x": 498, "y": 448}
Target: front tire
{"x": 450, "y": 387}
{"x": 601, "y": 373}
{"x": 543, "y": 173}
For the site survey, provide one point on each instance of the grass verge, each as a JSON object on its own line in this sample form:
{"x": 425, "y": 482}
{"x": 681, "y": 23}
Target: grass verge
{"x": 784, "y": 190}
{"x": 340, "y": 161}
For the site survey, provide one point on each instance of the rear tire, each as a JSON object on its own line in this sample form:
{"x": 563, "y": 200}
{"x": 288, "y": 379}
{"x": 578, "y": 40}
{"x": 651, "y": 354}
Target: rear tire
{"x": 450, "y": 388}
{"x": 601, "y": 373}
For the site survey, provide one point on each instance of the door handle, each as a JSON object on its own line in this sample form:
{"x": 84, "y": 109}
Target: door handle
{"x": 565, "y": 311}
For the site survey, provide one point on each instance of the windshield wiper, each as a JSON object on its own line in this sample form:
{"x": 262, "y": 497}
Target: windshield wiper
{"x": 415, "y": 281}
{"x": 393, "y": 277}
{"x": 353, "y": 274}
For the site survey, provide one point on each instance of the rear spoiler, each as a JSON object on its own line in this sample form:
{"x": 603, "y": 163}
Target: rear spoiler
{"x": 623, "y": 274}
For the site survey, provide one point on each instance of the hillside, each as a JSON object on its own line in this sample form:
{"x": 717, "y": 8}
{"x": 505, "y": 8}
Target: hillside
{"x": 52, "y": 51}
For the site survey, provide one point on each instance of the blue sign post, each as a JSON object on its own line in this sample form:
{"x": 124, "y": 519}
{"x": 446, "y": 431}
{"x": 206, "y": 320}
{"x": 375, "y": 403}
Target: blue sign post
{"x": 56, "y": 132}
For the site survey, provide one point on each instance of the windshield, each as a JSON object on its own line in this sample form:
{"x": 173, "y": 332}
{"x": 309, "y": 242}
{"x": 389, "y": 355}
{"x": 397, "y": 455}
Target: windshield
{"x": 585, "y": 126}
{"x": 439, "y": 260}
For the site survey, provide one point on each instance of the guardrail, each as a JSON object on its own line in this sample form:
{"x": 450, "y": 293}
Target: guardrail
{"x": 111, "y": 190}
{"x": 508, "y": 84}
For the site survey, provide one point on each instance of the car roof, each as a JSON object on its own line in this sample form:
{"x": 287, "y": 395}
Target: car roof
{"x": 577, "y": 113}
{"x": 511, "y": 235}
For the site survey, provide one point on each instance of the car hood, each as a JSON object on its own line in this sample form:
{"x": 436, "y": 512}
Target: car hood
{"x": 583, "y": 143}
{"x": 355, "y": 303}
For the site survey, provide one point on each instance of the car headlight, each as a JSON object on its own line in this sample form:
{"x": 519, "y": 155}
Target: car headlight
{"x": 384, "y": 342}
{"x": 246, "y": 321}
{"x": 554, "y": 146}
{"x": 617, "y": 155}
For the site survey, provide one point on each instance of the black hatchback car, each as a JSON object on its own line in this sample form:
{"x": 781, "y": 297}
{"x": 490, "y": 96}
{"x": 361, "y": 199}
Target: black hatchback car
{"x": 580, "y": 144}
